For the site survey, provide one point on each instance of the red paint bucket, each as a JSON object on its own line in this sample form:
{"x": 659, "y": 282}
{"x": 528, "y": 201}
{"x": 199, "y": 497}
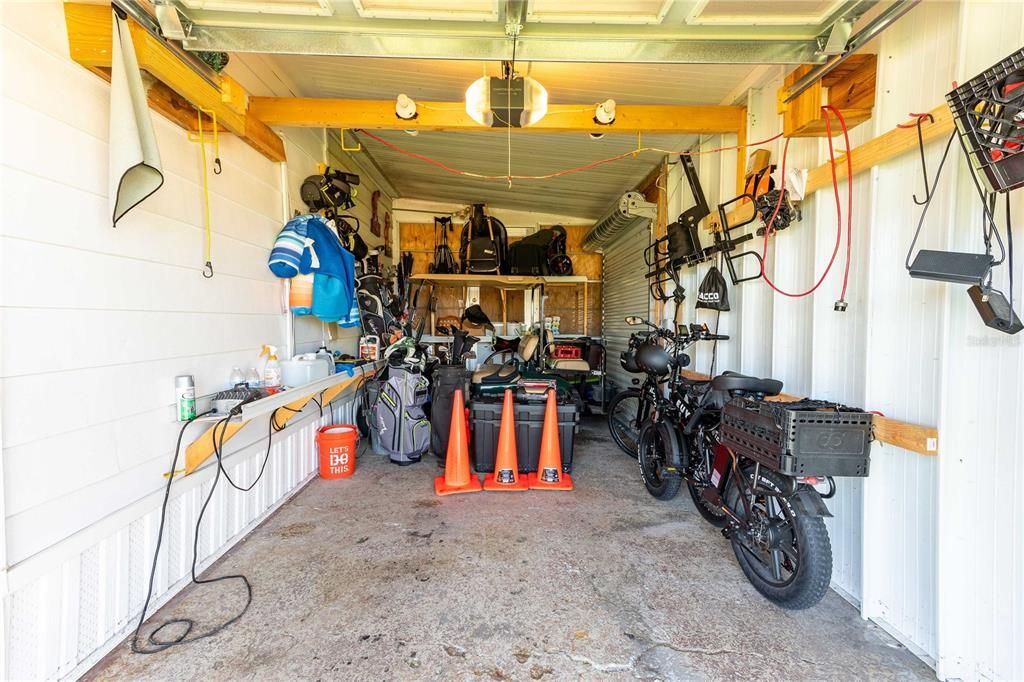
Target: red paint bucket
{"x": 337, "y": 445}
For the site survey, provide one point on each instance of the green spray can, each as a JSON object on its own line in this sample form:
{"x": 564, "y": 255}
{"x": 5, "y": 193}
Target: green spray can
{"x": 185, "y": 391}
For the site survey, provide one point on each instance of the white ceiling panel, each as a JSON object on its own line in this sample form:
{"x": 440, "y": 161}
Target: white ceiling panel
{"x": 443, "y": 10}
{"x": 586, "y": 194}
{"x": 599, "y": 11}
{"x": 566, "y": 83}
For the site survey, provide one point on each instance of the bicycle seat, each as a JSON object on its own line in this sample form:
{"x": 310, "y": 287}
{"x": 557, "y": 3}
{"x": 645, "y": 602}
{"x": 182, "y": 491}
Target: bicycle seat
{"x": 730, "y": 382}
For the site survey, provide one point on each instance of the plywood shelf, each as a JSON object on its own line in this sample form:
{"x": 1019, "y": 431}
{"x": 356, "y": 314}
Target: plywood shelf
{"x": 292, "y": 401}
{"x": 505, "y": 282}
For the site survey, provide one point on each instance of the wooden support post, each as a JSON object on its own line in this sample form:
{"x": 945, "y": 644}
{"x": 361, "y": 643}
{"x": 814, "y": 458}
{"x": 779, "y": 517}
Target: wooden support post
{"x": 90, "y": 30}
{"x": 380, "y": 115}
{"x": 741, "y": 155}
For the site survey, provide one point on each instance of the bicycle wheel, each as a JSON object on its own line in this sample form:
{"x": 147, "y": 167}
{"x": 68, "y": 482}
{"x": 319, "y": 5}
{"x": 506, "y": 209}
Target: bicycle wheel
{"x": 626, "y": 412}
{"x": 659, "y": 460}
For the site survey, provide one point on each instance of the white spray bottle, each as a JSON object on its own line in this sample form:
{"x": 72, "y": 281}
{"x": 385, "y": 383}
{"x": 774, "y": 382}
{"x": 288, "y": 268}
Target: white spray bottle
{"x": 272, "y": 370}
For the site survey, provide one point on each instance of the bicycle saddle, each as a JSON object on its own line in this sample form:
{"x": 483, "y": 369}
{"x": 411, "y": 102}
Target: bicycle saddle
{"x": 730, "y": 382}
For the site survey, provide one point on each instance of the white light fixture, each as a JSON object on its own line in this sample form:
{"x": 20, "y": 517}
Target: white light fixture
{"x": 492, "y": 102}
{"x": 605, "y": 113}
{"x": 405, "y": 107}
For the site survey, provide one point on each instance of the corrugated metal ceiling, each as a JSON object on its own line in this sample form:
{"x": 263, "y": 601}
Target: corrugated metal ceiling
{"x": 431, "y": 79}
{"x": 586, "y": 195}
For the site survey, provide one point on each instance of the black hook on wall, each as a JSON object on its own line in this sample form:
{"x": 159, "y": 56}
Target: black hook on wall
{"x": 924, "y": 164}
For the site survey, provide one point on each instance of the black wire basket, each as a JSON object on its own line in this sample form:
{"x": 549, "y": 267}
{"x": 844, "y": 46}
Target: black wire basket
{"x": 800, "y": 438}
{"x": 988, "y": 111}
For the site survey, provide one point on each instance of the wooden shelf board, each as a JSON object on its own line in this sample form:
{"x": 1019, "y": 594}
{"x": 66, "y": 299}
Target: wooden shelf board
{"x": 507, "y": 282}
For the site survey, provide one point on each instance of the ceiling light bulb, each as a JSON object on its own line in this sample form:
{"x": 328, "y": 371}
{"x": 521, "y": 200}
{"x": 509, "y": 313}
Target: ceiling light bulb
{"x": 605, "y": 113}
{"x": 405, "y": 107}
{"x": 478, "y": 101}
{"x": 487, "y": 102}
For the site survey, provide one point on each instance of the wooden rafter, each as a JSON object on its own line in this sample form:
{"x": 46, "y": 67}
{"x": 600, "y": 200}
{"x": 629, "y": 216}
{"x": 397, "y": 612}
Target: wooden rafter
{"x": 178, "y": 89}
{"x": 435, "y": 116}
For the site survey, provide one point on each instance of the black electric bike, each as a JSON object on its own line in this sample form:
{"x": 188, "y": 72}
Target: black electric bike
{"x": 774, "y": 522}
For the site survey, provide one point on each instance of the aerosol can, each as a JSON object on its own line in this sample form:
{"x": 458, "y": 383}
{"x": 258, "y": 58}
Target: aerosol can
{"x": 185, "y": 394}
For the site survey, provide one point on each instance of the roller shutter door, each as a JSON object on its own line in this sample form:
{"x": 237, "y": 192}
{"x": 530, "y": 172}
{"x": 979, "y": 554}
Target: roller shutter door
{"x": 624, "y": 293}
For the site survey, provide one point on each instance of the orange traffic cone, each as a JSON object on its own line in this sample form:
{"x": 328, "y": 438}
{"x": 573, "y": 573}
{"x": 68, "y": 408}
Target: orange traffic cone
{"x": 506, "y": 468}
{"x": 549, "y": 474}
{"x": 457, "y": 477}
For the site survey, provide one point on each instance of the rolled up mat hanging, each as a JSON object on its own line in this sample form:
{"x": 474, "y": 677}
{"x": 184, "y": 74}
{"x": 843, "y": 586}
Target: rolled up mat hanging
{"x": 135, "y": 171}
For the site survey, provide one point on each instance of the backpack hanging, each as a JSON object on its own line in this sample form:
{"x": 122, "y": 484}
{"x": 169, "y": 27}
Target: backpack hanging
{"x": 489, "y": 241}
{"x": 444, "y": 259}
{"x": 713, "y": 293}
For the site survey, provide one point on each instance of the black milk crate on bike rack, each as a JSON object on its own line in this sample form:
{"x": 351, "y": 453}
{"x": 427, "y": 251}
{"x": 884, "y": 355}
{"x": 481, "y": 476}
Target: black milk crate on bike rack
{"x": 987, "y": 111}
{"x": 802, "y": 438}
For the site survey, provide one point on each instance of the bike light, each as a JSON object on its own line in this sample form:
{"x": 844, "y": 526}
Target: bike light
{"x": 810, "y": 480}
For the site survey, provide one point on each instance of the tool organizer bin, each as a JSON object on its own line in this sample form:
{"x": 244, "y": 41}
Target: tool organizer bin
{"x": 802, "y": 438}
{"x": 485, "y": 420}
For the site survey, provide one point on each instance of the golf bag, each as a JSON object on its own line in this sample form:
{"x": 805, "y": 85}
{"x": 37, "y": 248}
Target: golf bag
{"x": 402, "y": 426}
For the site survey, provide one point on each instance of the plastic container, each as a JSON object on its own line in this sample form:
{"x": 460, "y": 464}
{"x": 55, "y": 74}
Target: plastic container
{"x": 300, "y": 295}
{"x": 485, "y": 419}
{"x": 303, "y": 369}
{"x": 337, "y": 445}
{"x": 802, "y": 438}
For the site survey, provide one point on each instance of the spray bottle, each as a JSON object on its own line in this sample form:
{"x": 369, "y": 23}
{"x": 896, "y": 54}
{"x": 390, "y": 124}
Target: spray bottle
{"x": 272, "y": 370}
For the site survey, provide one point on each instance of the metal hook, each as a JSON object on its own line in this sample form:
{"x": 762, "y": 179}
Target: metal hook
{"x": 208, "y": 270}
{"x": 924, "y": 164}
{"x": 216, "y": 166}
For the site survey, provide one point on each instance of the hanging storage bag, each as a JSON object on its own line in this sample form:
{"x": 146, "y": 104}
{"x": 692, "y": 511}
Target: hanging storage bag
{"x": 713, "y": 293}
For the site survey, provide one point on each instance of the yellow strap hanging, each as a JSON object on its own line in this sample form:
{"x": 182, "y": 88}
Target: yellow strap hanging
{"x": 201, "y": 139}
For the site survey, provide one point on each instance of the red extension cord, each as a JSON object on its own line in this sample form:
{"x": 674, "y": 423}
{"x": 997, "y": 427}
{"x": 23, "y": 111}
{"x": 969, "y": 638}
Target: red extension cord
{"x": 839, "y": 215}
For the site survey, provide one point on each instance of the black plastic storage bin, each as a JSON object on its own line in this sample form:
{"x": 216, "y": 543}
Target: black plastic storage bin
{"x": 987, "y": 111}
{"x": 802, "y": 438}
{"x": 485, "y": 419}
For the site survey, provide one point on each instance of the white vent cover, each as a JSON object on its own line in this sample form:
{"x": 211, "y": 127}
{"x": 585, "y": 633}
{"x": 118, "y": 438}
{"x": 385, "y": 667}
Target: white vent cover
{"x": 320, "y": 8}
{"x": 598, "y": 11}
{"x": 450, "y": 10}
{"x": 753, "y": 12}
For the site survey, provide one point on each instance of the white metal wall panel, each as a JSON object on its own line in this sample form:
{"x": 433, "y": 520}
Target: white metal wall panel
{"x": 980, "y": 512}
{"x": 65, "y": 617}
{"x": 625, "y": 293}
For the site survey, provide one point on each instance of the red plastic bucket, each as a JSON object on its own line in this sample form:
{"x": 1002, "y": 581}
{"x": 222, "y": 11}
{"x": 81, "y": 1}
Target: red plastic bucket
{"x": 337, "y": 445}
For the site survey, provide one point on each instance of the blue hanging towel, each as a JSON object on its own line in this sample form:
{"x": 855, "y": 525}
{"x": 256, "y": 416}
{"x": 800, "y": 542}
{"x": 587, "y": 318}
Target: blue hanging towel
{"x": 291, "y": 253}
{"x": 335, "y": 280}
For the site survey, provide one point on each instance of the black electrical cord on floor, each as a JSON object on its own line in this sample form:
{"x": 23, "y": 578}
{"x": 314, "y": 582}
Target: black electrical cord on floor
{"x": 156, "y": 644}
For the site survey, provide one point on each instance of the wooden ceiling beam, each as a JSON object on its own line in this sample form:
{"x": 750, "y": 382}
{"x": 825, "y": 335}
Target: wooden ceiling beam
{"x": 451, "y": 116}
{"x": 90, "y": 30}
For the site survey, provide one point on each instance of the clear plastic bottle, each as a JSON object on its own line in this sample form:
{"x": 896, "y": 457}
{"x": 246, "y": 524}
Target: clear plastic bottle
{"x": 253, "y": 378}
{"x": 237, "y": 377}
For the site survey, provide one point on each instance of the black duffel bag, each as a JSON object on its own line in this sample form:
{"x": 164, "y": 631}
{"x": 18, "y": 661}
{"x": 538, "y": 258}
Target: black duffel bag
{"x": 445, "y": 380}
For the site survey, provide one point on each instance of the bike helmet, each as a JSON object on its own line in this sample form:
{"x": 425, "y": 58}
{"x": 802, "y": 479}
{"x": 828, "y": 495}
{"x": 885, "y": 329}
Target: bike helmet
{"x": 627, "y": 359}
{"x": 653, "y": 359}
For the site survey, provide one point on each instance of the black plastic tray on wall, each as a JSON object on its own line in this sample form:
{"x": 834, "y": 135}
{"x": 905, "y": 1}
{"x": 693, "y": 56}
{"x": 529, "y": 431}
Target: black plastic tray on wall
{"x": 802, "y": 438}
{"x": 485, "y": 420}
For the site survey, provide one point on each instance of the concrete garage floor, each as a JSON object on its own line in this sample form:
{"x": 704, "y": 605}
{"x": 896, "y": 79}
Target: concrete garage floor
{"x": 375, "y": 578}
